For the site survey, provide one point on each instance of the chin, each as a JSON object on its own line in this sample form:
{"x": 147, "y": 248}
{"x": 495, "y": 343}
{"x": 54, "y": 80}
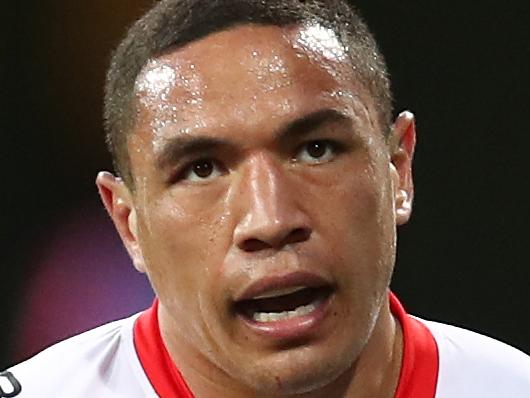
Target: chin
{"x": 299, "y": 370}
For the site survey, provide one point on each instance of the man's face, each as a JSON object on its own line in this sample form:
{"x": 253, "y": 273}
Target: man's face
{"x": 264, "y": 201}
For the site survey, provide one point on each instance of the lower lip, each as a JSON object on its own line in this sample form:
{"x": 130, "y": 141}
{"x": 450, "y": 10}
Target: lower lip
{"x": 293, "y": 328}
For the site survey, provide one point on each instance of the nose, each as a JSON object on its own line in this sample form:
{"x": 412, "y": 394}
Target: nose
{"x": 271, "y": 216}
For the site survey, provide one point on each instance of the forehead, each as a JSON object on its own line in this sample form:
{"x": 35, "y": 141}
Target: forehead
{"x": 259, "y": 48}
{"x": 246, "y": 74}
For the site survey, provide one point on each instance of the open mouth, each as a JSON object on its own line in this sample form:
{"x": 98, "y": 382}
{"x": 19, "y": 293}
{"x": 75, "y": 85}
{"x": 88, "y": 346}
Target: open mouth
{"x": 283, "y": 304}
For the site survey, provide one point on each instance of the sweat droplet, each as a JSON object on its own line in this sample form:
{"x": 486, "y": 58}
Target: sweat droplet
{"x": 322, "y": 41}
{"x": 272, "y": 72}
{"x": 155, "y": 88}
{"x": 156, "y": 81}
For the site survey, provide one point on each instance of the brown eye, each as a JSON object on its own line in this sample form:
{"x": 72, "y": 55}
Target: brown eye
{"x": 203, "y": 168}
{"x": 317, "y": 149}
{"x": 316, "y": 152}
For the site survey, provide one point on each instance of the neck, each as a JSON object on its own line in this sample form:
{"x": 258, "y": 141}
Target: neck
{"x": 378, "y": 368}
{"x": 375, "y": 373}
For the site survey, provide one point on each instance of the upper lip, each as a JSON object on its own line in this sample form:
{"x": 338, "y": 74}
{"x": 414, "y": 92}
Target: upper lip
{"x": 270, "y": 284}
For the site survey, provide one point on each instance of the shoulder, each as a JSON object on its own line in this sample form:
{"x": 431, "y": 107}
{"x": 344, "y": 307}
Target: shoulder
{"x": 101, "y": 362}
{"x": 473, "y": 365}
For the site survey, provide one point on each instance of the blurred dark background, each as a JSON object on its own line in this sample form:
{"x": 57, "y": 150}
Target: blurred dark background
{"x": 462, "y": 67}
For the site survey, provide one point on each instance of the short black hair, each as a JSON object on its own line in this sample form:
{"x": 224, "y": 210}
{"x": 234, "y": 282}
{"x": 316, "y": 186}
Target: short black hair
{"x": 174, "y": 23}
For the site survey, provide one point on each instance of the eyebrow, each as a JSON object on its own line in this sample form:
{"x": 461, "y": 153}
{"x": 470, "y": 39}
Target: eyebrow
{"x": 188, "y": 145}
{"x": 311, "y": 123}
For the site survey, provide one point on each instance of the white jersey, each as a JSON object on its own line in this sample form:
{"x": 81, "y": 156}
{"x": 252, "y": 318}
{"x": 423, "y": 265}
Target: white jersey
{"x": 127, "y": 359}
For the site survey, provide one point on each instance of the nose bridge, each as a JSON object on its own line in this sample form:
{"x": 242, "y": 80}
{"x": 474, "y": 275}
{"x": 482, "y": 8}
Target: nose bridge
{"x": 267, "y": 190}
{"x": 270, "y": 214}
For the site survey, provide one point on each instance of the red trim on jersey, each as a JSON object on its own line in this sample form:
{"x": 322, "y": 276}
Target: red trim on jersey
{"x": 419, "y": 369}
{"x": 158, "y": 366}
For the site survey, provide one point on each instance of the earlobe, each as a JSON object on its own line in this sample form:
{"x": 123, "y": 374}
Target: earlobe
{"x": 403, "y": 145}
{"x": 135, "y": 250}
{"x": 403, "y": 206}
{"x": 117, "y": 200}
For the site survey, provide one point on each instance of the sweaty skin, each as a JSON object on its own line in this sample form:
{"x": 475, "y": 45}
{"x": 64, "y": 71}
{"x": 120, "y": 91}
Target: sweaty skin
{"x": 231, "y": 190}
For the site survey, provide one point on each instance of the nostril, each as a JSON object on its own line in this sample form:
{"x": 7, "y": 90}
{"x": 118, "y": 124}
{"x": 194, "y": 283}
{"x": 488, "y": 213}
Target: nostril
{"x": 254, "y": 245}
{"x": 298, "y": 235}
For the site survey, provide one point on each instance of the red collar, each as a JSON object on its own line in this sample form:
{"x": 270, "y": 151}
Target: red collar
{"x": 419, "y": 367}
{"x": 154, "y": 357}
{"x": 419, "y": 370}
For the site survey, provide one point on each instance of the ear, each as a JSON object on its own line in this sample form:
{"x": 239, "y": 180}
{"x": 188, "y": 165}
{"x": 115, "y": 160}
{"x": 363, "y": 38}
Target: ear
{"x": 117, "y": 199}
{"x": 402, "y": 152}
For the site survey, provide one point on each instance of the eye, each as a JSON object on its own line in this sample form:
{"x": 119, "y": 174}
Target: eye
{"x": 315, "y": 152}
{"x": 201, "y": 171}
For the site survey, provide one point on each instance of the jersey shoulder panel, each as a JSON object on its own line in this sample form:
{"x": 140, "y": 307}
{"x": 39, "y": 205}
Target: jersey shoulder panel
{"x": 99, "y": 363}
{"x": 472, "y": 365}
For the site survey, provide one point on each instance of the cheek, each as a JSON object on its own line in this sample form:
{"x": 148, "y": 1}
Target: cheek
{"x": 355, "y": 201}
{"x": 355, "y": 218}
{"x": 181, "y": 245}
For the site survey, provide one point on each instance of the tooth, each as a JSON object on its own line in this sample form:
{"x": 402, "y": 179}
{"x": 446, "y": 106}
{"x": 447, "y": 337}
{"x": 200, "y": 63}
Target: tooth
{"x": 280, "y": 292}
{"x": 277, "y": 316}
{"x": 280, "y": 316}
